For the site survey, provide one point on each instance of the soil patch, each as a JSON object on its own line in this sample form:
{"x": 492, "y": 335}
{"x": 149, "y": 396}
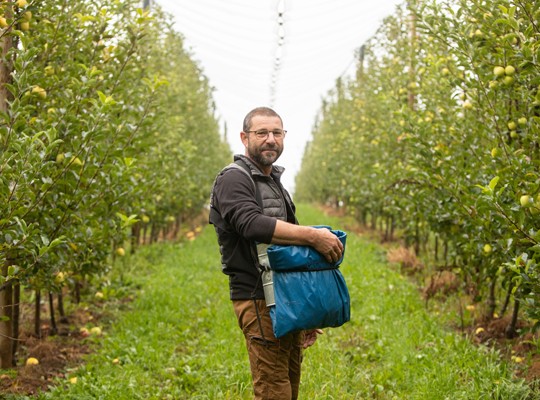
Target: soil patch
{"x": 54, "y": 353}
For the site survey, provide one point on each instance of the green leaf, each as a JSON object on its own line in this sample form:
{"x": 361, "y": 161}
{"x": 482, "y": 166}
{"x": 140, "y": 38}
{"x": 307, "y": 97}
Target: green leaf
{"x": 493, "y": 183}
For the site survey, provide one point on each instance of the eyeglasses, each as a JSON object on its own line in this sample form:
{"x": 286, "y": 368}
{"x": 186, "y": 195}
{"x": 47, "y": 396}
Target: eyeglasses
{"x": 263, "y": 133}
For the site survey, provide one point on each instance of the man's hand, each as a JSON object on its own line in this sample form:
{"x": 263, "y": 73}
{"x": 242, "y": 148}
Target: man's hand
{"x": 310, "y": 337}
{"x": 321, "y": 239}
{"x": 328, "y": 245}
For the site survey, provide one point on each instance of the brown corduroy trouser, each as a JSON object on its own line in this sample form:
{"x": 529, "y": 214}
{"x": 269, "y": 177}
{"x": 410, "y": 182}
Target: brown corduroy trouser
{"x": 275, "y": 363}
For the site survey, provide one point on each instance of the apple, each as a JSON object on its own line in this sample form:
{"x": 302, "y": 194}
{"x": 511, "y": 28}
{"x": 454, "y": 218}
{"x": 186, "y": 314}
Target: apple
{"x": 60, "y": 158}
{"x": 25, "y": 26}
{"x": 39, "y": 91}
{"x": 27, "y": 15}
{"x": 508, "y": 80}
{"x": 522, "y": 121}
{"x": 49, "y": 70}
{"x": 21, "y": 3}
{"x": 84, "y": 332}
{"x": 525, "y": 200}
{"x": 96, "y": 330}
{"x": 75, "y": 161}
{"x": 513, "y": 134}
{"x": 467, "y": 105}
{"x": 120, "y": 252}
{"x": 60, "y": 277}
{"x": 3, "y": 22}
{"x": 498, "y": 71}
{"x": 494, "y": 152}
{"x": 509, "y": 70}
{"x": 487, "y": 248}
{"x": 512, "y": 125}
{"x": 493, "y": 84}
{"x": 32, "y": 361}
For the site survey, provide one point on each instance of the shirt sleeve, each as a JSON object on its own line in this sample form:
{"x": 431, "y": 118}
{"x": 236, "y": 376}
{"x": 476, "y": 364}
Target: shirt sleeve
{"x": 236, "y": 202}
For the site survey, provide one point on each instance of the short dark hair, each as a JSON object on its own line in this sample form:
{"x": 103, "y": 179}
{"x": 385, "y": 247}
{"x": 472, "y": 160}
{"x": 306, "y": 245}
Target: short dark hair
{"x": 264, "y": 111}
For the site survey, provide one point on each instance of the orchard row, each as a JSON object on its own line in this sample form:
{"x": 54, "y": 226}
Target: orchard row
{"x": 437, "y": 137}
{"x": 107, "y": 127}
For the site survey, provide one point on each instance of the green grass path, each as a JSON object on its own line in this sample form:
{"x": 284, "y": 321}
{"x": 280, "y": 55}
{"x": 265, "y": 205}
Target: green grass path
{"x": 180, "y": 339}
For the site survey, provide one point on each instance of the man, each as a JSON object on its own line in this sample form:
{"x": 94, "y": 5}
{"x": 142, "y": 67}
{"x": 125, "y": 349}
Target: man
{"x": 241, "y": 223}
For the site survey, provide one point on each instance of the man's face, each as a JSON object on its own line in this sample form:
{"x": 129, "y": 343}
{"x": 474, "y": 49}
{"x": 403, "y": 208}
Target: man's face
{"x": 264, "y": 151}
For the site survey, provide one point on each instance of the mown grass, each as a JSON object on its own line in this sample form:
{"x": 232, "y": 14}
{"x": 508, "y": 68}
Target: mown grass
{"x": 181, "y": 340}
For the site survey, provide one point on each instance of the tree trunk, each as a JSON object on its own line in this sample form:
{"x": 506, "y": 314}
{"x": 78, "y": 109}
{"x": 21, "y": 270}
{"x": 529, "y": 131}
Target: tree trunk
{"x": 54, "y": 328}
{"x": 61, "y": 311}
{"x": 16, "y": 319}
{"x": 6, "y": 294}
{"x": 135, "y": 237}
{"x": 145, "y": 234}
{"x": 77, "y": 292}
{"x": 492, "y": 302}
{"x": 511, "y": 331}
{"x": 37, "y": 315}
{"x": 506, "y": 300}
{"x": 436, "y": 247}
{"x": 6, "y": 321}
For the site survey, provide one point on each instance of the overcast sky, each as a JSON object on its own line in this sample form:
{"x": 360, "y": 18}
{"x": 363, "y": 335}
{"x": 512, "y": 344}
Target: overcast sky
{"x": 237, "y": 42}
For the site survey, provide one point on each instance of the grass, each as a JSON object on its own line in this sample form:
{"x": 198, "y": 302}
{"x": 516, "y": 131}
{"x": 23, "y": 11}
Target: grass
{"x": 180, "y": 340}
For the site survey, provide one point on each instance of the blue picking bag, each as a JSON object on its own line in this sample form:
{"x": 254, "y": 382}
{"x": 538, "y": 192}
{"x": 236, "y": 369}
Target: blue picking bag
{"x": 309, "y": 292}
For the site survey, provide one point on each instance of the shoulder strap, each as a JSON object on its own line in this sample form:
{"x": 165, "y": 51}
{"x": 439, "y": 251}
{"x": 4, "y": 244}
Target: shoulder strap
{"x": 215, "y": 217}
{"x": 242, "y": 164}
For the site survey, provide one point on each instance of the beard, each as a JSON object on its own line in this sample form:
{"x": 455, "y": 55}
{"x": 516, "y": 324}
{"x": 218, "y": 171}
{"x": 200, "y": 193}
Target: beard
{"x": 266, "y": 155}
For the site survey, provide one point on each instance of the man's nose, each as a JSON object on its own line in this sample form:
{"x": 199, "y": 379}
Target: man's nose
{"x": 270, "y": 138}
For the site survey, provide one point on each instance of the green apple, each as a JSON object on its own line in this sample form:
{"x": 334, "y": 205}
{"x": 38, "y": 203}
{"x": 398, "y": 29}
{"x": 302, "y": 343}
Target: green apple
{"x": 525, "y": 200}
{"x": 498, "y": 71}
{"x": 467, "y": 105}
{"x": 508, "y": 80}
{"x": 39, "y": 91}
{"x": 509, "y": 70}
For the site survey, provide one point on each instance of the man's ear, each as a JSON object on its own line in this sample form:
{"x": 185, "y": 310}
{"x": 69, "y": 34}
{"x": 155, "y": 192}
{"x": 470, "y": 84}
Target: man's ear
{"x": 244, "y": 138}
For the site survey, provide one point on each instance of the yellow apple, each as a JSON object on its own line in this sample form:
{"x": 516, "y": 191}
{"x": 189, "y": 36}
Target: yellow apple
{"x": 32, "y": 361}
{"x": 96, "y": 330}
{"x": 525, "y": 200}
{"x": 498, "y": 71}
{"x": 39, "y": 91}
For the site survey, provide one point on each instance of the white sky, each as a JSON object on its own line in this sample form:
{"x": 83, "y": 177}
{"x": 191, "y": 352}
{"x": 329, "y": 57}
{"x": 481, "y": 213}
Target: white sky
{"x": 236, "y": 42}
